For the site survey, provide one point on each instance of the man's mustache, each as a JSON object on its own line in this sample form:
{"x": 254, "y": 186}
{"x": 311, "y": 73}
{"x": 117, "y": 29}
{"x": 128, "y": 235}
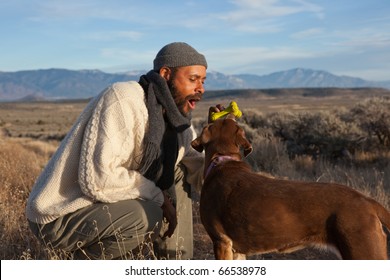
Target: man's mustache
{"x": 196, "y": 96}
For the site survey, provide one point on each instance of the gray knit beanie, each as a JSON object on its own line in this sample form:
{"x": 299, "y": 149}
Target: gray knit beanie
{"x": 178, "y": 54}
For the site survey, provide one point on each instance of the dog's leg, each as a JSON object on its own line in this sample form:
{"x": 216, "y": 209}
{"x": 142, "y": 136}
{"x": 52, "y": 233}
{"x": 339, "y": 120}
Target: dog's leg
{"x": 238, "y": 256}
{"x": 366, "y": 241}
{"x": 223, "y": 248}
{"x": 370, "y": 245}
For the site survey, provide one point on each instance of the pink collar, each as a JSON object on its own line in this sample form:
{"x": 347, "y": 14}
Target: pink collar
{"x": 215, "y": 161}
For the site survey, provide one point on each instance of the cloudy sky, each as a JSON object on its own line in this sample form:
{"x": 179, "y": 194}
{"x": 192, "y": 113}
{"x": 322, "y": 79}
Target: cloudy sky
{"x": 344, "y": 37}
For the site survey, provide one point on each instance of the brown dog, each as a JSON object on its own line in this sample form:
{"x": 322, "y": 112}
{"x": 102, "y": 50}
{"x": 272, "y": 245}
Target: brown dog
{"x": 245, "y": 213}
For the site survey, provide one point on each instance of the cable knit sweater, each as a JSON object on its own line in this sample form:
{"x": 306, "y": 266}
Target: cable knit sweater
{"x": 99, "y": 158}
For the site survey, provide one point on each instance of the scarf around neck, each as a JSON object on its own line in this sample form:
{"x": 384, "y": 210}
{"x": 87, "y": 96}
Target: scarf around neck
{"x": 165, "y": 122}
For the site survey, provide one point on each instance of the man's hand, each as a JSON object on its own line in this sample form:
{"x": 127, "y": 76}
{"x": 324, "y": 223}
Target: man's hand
{"x": 215, "y": 109}
{"x": 169, "y": 213}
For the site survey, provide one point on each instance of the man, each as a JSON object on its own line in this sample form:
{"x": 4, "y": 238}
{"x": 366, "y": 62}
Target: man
{"x": 119, "y": 172}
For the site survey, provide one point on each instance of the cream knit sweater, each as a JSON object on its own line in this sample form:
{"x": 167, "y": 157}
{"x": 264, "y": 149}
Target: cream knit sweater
{"x": 99, "y": 158}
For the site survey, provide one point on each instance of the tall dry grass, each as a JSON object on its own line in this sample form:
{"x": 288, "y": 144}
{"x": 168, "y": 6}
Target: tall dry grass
{"x": 21, "y": 161}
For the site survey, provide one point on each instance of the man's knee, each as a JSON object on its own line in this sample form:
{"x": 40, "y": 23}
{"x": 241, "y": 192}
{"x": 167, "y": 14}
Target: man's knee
{"x": 135, "y": 223}
{"x": 150, "y": 215}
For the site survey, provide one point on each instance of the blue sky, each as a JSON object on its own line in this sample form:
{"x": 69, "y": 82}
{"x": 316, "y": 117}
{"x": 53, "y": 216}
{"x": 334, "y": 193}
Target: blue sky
{"x": 344, "y": 37}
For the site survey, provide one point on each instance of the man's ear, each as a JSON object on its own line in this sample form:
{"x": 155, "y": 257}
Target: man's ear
{"x": 165, "y": 72}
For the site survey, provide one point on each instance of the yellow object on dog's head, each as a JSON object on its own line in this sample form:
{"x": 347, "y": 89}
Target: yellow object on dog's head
{"x": 232, "y": 109}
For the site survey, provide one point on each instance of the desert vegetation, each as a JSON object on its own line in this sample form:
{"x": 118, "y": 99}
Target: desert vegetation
{"x": 344, "y": 144}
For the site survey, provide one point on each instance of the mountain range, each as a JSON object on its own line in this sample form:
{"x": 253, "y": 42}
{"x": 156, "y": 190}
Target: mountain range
{"x": 53, "y": 84}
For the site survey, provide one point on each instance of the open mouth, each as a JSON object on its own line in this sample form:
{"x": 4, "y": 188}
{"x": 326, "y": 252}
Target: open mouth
{"x": 192, "y": 103}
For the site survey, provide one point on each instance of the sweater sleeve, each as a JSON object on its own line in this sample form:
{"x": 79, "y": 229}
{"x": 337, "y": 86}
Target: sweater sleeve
{"x": 111, "y": 151}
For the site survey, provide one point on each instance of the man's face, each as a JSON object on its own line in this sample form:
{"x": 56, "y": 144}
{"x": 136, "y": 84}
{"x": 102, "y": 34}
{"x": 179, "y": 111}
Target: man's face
{"x": 186, "y": 85}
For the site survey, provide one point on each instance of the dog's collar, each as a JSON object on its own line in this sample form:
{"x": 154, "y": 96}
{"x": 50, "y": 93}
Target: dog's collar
{"x": 217, "y": 160}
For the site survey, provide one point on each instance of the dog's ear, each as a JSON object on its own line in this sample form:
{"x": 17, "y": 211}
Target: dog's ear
{"x": 199, "y": 142}
{"x": 243, "y": 142}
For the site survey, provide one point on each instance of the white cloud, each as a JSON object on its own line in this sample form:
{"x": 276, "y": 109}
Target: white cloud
{"x": 265, "y": 16}
{"x": 131, "y": 56}
{"x": 363, "y": 38}
{"x": 265, "y": 9}
{"x": 254, "y": 59}
{"x": 60, "y": 10}
{"x": 116, "y": 35}
{"x": 307, "y": 33}
{"x": 249, "y": 9}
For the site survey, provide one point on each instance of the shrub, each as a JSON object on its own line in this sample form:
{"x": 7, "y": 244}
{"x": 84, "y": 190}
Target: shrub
{"x": 373, "y": 117}
{"x": 334, "y": 135}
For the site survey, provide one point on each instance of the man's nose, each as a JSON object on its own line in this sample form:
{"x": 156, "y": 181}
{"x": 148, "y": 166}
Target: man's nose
{"x": 200, "y": 88}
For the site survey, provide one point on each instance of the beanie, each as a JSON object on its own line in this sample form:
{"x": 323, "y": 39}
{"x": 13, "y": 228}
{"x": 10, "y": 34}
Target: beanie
{"x": 178, "y": 54}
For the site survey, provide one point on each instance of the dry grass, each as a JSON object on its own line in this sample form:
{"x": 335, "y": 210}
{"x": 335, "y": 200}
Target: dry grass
{"x": 29, "y": 134}
{"x": 46, "y": 121}
{"x": 20, "y": 163}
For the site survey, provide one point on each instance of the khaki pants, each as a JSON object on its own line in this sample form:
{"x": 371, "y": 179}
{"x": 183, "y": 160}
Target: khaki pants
{"x": 128, "y": 229}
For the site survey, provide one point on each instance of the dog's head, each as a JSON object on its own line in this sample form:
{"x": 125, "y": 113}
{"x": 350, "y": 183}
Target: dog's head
{"x": 223, "y": 137}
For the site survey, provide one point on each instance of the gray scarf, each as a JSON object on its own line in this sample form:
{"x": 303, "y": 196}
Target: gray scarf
{"x": 161, "y": 144}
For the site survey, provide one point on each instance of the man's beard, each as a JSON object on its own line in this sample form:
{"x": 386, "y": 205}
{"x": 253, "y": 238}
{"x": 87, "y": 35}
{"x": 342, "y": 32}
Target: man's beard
{"x": 179, "y": 101}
